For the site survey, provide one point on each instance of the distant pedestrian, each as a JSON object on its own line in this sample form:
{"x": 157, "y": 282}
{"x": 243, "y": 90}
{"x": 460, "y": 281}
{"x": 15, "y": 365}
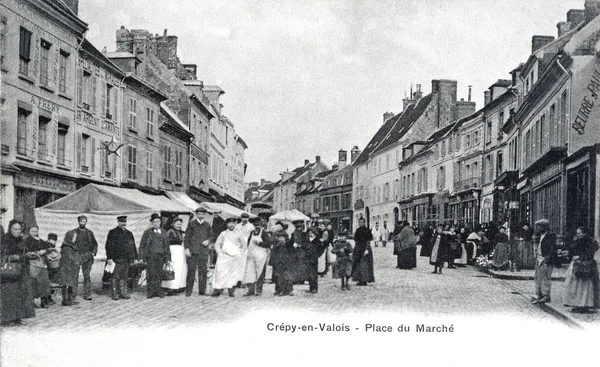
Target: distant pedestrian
{"x": 196, "y": 242}
{"x": 343, "y": 263}
{"x": 229, "y": 247}
{"x": 546, "y": 258}
{"x": 281, "y": 267}
{"x": 440, "y": 251}
{"x": 362, "y": 255}
{"x": 376, "y": 234}
{"x": 120, "y": 253}
{"x": 405, "y": 247}
{"x": 582, "y": 284}
{"x": 178, "y": 259}
{"x": 501, "y": 258}
{"x": 154, "y": 250}
{"x": 385, "y": 234}
{"x": 524, "y": 258}
{"x": 77, "y": 251}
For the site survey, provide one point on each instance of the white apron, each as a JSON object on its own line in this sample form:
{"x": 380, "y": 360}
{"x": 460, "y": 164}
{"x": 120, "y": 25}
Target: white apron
{"x": 178, "y": 260}
{"x": 228, "y": 269}
{"x": 463, "y": 257}
{"x": 256, "y": 259}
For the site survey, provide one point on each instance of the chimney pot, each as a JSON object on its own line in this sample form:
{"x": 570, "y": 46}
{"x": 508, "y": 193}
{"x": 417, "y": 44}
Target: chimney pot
{"x": 165, "y": 33}
{"x": 306, "y": 162}
{"x": 387, "y": 116}
{"x": 122, "y": 27}
{"x": 470, "y": 86}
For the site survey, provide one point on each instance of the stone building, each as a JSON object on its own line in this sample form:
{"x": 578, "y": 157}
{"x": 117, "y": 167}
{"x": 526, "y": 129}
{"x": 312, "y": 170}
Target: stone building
{"x": 284, "y": 197}
{"x": 39, "y": 104}
{"x": 335, "y": 194}
{"x": 376, "y": 183}
{"x": 259, "y": 198}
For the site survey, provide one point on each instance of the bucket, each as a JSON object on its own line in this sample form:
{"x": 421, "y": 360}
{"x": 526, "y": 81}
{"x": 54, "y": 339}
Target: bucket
{"x": 36, "y": 264}
{"x": 53, "y": 259}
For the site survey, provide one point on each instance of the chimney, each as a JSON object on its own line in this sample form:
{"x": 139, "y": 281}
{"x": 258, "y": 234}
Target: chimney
{"x": 563, "y": 27}
{"x": 592, "y": 9}
{"x": 538, "y": 42}
{"x": 342, "y": 158}
{"x": 575, "y": 17}
{"x": 418, "y": 94}
{"x": 73, "y": 5}
{"x": 318, "y": 159}
{"x": 445, "y": 97}
{"x": 486, "y": 97}
{"x": 192, "y": 71}
{"x": 464, "y": 108}
{"x": 387, "y": 116}
{"x": 124, "y": 40}
{"x": 354, "y": 153}
{"x": 262, "y": 182}
{"x": 406, "y": 102}
{"x": 306, "y": 162}
{"x": 470, "y": 86}
{"x": 335, "y": 167}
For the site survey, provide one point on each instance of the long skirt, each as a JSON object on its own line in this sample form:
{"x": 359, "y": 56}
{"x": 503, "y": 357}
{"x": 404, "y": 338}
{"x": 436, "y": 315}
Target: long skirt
{"x": 525, "y": 252}
{"x": 179, "y": 262}
{"x": 425, "y": 249}
{"x": 362, "y": 265}
{"x": 255, "y": 263}
{"x": 501, "y": 256}
{"x": 464, "y": 256}
{"x": 407, "y": 258}
{"x": 17, "y": 298}
{"x": 324, "y": 261}
{"x": 581, "y": 292}
{"x": 471, "y": 249}
{"x": 342, "y": 267}
{"x": 41, "y": 284}
{"x": 227, "y": 271}
{"x": 70, "y": 261}
{"x": 154, "y": 274}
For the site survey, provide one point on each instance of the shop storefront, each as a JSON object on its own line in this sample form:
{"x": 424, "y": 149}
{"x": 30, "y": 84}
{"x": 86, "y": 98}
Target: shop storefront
{"x": 580, "y": 191}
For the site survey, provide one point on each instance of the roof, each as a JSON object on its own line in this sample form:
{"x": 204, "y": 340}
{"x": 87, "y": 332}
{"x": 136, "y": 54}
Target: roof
{"x": 242, "y": 142}
{"x": 144, "y": 86}
{"x": 502, "y": 83}
{"x": 174, "y": 117}
{"x": 120, "y": 55}
{"x": 88, "y": 47}
{"x": 394, "y": 128}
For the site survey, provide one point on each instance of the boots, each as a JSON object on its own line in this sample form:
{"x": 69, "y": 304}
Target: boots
{"x": 123, "y": 290}
{"x": 72, "y": 295}
{"x": 216, "y": 293}
{"x": 66, "y": 299}
{"x": 114, "y": 292}
{"x": 251, "y": 290}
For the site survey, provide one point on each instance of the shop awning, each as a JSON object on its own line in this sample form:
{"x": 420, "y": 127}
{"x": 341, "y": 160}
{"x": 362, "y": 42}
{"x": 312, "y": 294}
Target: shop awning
{"x": 224, "y": 210}
{"x": 183, "y": 199}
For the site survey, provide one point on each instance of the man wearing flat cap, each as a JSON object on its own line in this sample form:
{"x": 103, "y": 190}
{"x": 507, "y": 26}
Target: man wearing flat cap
{"x": 120, "y": 251}
{"x": 77, "y": 251}
{"x": 546, "y": 258}
{"x": 196, "y": 240}
{"x": 154, "y": 250}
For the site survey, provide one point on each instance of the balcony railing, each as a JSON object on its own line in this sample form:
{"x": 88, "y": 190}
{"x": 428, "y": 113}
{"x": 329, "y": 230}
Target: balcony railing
{"x": 468, "y": 183}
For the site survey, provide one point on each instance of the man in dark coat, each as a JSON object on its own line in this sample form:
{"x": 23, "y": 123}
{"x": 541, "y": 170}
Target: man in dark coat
{"x": 313, "y": 249}
{"x": 80, "y": 247}
{"x": 362, "y": 256}
{"x": 120, "y": 252}
{"x": 546, "y": 259}
{"x": 284, "y": 263}
{"x": 298, "y": 259}
{"x": 196, "y": 241}
{"x": 279, "y": 238}
{"x": 154, "y": 250}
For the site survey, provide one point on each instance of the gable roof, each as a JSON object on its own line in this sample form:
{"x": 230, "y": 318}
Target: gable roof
{"x": 394, "y": 128}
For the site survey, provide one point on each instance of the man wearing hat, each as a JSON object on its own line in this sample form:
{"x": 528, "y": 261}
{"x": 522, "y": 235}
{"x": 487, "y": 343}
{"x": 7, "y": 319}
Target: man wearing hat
{"x": 229, "y": 246}
{"x": 154, "y": 250}
{"x": 196, "y": 240}
{"x": 282, "y": 259}
{"x": 258, "y": 252}
{"x": 245, "y": 228}
{"x": 546, "y": 258}
{"x": 313, "y": 248}
{"x": 77, "y": 251}
{"x": 120, "y": 251}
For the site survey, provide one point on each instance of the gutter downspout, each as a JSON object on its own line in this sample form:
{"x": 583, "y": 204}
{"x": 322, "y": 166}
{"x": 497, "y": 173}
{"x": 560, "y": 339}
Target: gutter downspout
{"x": 76, "y": 102}
{"x": 567, "y": 123}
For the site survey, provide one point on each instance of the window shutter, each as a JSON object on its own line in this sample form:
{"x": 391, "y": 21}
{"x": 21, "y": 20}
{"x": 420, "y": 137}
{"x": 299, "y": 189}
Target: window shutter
{"x": 102, "y": 162}
{"x": 80, "y": 88}
{"x": 93, "y": 154}
{"x": 103, "y": 100}
{"x": 79, "y": 152}
{"x": 93, "y": 93}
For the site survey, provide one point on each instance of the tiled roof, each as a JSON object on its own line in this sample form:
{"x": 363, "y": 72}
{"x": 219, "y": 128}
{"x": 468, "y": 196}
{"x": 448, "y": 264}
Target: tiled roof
{"x": 394, "y": 128}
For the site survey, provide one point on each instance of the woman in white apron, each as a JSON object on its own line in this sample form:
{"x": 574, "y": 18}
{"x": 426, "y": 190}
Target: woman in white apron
{"x": 228, "y": 272}
{"x": 178, "y": 259}
{"x": 258, "y": 252}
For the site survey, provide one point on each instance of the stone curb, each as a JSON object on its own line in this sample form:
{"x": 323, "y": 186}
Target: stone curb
{"x": 513, "y": 276}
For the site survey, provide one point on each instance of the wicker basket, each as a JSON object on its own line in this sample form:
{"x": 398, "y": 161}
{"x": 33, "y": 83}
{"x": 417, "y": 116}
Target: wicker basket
{"x": 54, "y": 261}
{"x": 36, "y": 264}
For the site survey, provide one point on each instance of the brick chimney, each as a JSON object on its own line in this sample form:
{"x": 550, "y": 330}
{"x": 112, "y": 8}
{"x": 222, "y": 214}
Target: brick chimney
{"x": 192, "y": 71}
{"x": 445, "y": 96}
{"x": 342, "y": 158}
{"x": 318, "y": 159}
{"x": 387, "y": 116}
{"x": 354, "y": 153}
{"x": 538, "y": 42}
{"x": 486, "y": 97}
{"x": 464, "y": 108}
{"x": 306, "y": 162}
{"x": 592, "y": 9}
{"x": 73, "y": 5}
{"x": 575, "y": 17}
{"x": 417, "y": 94}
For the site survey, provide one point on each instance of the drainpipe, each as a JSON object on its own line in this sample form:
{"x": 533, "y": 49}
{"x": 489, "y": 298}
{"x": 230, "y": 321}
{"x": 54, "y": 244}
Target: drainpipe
{"x": 568, "y": 74}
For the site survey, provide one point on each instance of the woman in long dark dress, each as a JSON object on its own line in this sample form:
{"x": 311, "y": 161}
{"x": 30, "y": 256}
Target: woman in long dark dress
{"x": 41, "y": 284}
{"x": 525, "y": 252}
{"x": 362, "y": 256}
{"x": 426, "y": 242}
{"x": 17, "y": 296}
{"x": 406, "y": 241}
{"x": 440, "y": 251}
{"x": 501, "y": 257}
{"x": 582, "y": 294}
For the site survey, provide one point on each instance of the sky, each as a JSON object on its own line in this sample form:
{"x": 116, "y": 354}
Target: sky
{"x": 308, "y": 78}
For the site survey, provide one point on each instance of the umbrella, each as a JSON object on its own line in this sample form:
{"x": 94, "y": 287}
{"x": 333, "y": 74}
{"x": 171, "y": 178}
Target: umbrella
{"x": 289, "y": 216}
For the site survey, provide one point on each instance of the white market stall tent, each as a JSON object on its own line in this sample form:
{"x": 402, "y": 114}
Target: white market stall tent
{"x": 101, "y": 205}
{"x": 287, "y": 217}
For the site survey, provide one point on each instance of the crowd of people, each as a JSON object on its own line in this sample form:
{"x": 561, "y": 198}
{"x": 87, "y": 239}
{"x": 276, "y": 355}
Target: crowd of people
{"x": 172, "y": 258}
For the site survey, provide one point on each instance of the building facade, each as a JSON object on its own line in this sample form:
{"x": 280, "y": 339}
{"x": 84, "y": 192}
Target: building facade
{"x": 284, "y": 197}
{"x": 39, "y": 63}
{"x": 335, "y": 195}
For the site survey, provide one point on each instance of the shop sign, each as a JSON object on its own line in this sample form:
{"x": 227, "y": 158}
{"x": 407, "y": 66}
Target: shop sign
{"x": 513, "y": 205}
{"x": 44, "y": 183}
{"x": 585, "y": 101}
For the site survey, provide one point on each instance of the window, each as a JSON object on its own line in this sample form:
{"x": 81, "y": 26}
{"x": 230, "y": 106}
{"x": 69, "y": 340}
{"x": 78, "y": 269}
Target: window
{"x": 443, "y": 150}
{"x": 500, "y": 123}
{"x": 167, "y": 163}
{"x": 467, "y": 141}
{"x": 335, "y": 203}
{"x": 450, "y": 146}
{"x": 149, "y": 168}
{"x": 476, "y": 138}
{"x": 476, "y": 170}
{"x": 552, "y": 125}
{"x": 436, "y": 151}
{"x": 82, "y": 150}
{"x": 62, "y": 72}
{"x": 488, "y": 132}
{"x": 132, "y": 162}
{"x": 535, "y": 139}
{"x": 44, "y": 62}
{"x": 150, "y": 121}
{"x": 92, "y": 94}
{"x": 178, "y": 166}
{"x": 457, "y": 141}
{"x": 488, "y": 169}
{"x": 43, "y": 138}
{"x": 527, "y": 147}
{"x": 386, "y": 192}
{"x": 108, "y": 107}
{"x": 543, "y": 134}
{"x": 441, "y": 179}
{"x": 563, "y": 119}
{"x": 3, "y": 31}
{"x": 24, "y": 51}
{"x": 22, "y": 132}
{"x": 132, "y": 113}
{"x": 62, "y": 145}
{"x": 499, "y": 163}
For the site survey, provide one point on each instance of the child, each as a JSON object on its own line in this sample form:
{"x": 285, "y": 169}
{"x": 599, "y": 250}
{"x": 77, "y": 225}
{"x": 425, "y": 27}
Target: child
{"x": 343, "y": 262}
{"x": 52, "y": 272}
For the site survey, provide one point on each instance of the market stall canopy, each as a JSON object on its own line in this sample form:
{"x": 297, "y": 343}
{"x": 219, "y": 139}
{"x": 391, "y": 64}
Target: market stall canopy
{"x": 289, "y": 216}
{"x": 224, "y": 210}
{"x": 102, "y": 204}
{"x": 183, "y": 199}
